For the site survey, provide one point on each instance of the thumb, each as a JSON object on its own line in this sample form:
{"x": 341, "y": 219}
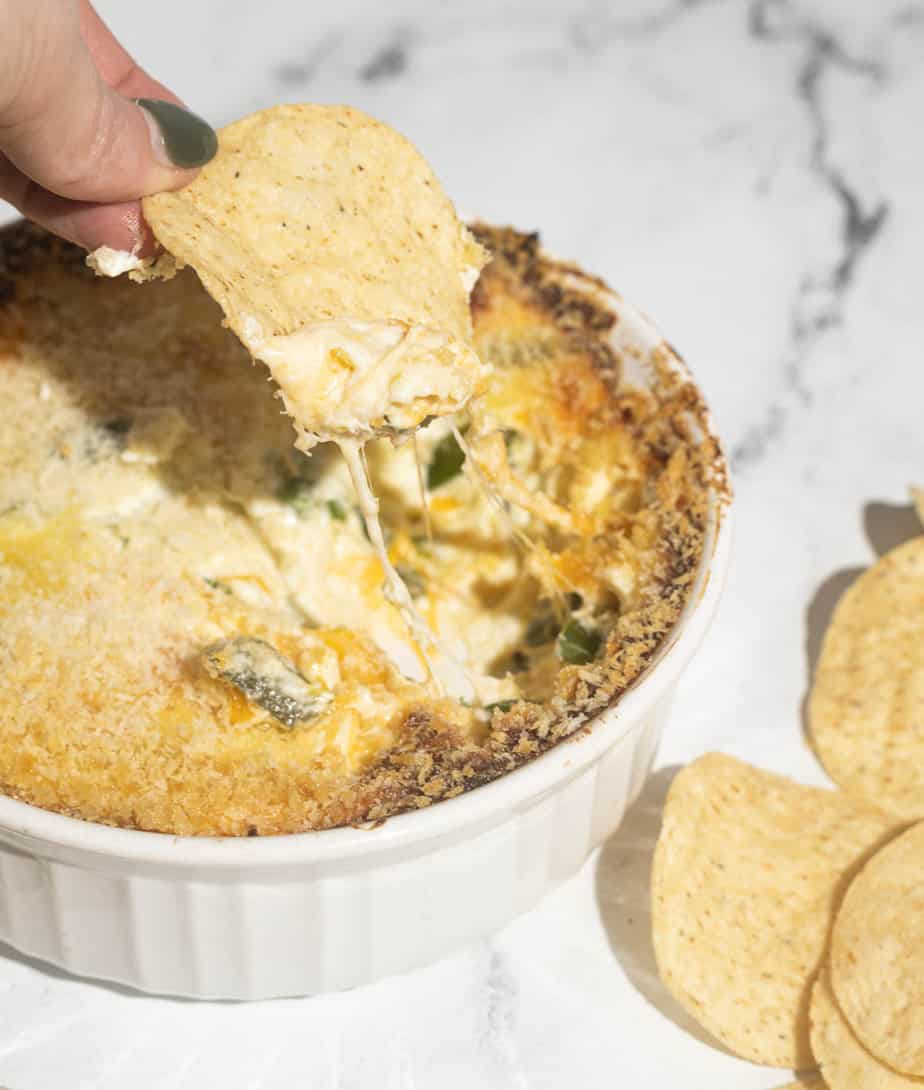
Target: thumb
{"x": 62, "y": 126}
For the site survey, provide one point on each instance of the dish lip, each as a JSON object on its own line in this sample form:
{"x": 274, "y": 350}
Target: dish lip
{"x": 449, "y": 819}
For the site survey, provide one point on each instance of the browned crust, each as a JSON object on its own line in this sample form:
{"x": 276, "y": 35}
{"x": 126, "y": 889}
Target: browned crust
{"x": 577, "y": 313}
{"x": 431, "y": 763}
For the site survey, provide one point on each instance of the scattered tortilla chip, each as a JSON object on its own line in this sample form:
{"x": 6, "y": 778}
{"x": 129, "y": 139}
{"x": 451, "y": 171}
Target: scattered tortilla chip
{"x": 845, "y": 1063}
{"x": 807, "y": 1082}
{"x": 338, "y": 259}
{"x": 867, "y": 704}
{"x": 747, "y": 872}
{"x": 877, "y": 954}
{"x": 917, "y": 498}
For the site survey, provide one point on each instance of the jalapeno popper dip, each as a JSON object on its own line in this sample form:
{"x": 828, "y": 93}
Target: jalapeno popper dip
{"x": 194, "y": 636}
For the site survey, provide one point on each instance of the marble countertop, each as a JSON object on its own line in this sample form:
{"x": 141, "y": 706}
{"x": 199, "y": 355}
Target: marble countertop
{"x": 751, "y": 175}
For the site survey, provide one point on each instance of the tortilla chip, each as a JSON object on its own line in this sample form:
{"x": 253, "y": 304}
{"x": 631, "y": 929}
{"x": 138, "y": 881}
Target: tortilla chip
{"x": 877, "y": 954}
{"x": 845, "y": 1063}
{"x": 747, "y": 871}
{"x": 807, "y": 1082}
{"x": 866, "y": 709}
{"x": 917, "y": 498}
{"x": 321, "y": 217}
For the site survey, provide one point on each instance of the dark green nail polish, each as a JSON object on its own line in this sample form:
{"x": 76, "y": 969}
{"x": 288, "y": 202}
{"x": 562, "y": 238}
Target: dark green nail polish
{"x": 188, "y": 140}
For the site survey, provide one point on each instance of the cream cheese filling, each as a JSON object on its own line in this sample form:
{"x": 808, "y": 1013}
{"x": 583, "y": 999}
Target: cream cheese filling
{"x": 352, "y": 379}
{"x": 106, "y": 261}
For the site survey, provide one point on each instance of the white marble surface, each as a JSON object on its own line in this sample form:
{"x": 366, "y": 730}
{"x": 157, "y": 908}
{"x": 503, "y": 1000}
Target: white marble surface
{"x": 752, "y": 175}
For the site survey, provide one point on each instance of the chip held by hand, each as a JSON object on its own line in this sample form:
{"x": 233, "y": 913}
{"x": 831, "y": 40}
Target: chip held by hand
{"x": 339, "y": 261}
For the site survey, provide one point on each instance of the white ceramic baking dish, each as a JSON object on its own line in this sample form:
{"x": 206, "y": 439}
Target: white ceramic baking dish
{"x": 315, "y": 912}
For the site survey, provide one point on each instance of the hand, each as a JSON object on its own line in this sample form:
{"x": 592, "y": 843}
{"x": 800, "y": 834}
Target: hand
{"x": 77, "y": 149}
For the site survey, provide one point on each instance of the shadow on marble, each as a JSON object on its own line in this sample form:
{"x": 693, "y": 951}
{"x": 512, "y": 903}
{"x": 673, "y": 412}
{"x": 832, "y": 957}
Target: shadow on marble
{"x": 886, "y": 525}
{"x": 623, "y": 890}
{"x": 889, "y": 524}
{"x": 820, "y": 611}
{"x": 817, "y": 619}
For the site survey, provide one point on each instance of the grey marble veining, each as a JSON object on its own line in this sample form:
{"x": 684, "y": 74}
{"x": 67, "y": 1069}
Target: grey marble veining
{"x": 821, "y": 294}
{"x": 751, "y": 174}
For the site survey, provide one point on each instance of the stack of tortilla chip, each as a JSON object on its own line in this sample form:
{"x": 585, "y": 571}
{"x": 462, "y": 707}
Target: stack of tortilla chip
{"x": 789, "y": 920}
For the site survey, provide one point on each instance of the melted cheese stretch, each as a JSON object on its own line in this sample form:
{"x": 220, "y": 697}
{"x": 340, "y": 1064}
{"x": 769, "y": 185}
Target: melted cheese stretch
{"x": 450, "y": 674}
{"x": 346, "y": 381}
{"x": 445, "y": 666}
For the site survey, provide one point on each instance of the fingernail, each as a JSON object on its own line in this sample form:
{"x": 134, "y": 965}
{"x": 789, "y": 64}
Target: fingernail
{"x": 180, "y": 137}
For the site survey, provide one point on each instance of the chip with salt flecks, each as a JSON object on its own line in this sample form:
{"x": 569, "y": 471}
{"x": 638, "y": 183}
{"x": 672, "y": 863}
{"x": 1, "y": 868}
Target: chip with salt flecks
{"x": 337, "y": 259}
{"x": 747, "y": 872}
{"x": 866, "y": 709}
{"x": 877, "y": 954}
{"x": 845, "y": 1064}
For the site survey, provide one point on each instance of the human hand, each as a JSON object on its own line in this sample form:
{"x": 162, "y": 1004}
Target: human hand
{"x": 76, "y": 149}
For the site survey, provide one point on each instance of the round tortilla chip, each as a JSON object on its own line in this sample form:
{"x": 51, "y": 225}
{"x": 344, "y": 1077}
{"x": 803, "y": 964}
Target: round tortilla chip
{"x": 917, "y": 498}
{"x": 747, "y": 872}
{"x": 866, "y": 709}
{"x": 877, "y": 954}
{"x": 339, "y": 261}
{"x": 312, "y": 213}
{"x": 845, "y": 1063}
